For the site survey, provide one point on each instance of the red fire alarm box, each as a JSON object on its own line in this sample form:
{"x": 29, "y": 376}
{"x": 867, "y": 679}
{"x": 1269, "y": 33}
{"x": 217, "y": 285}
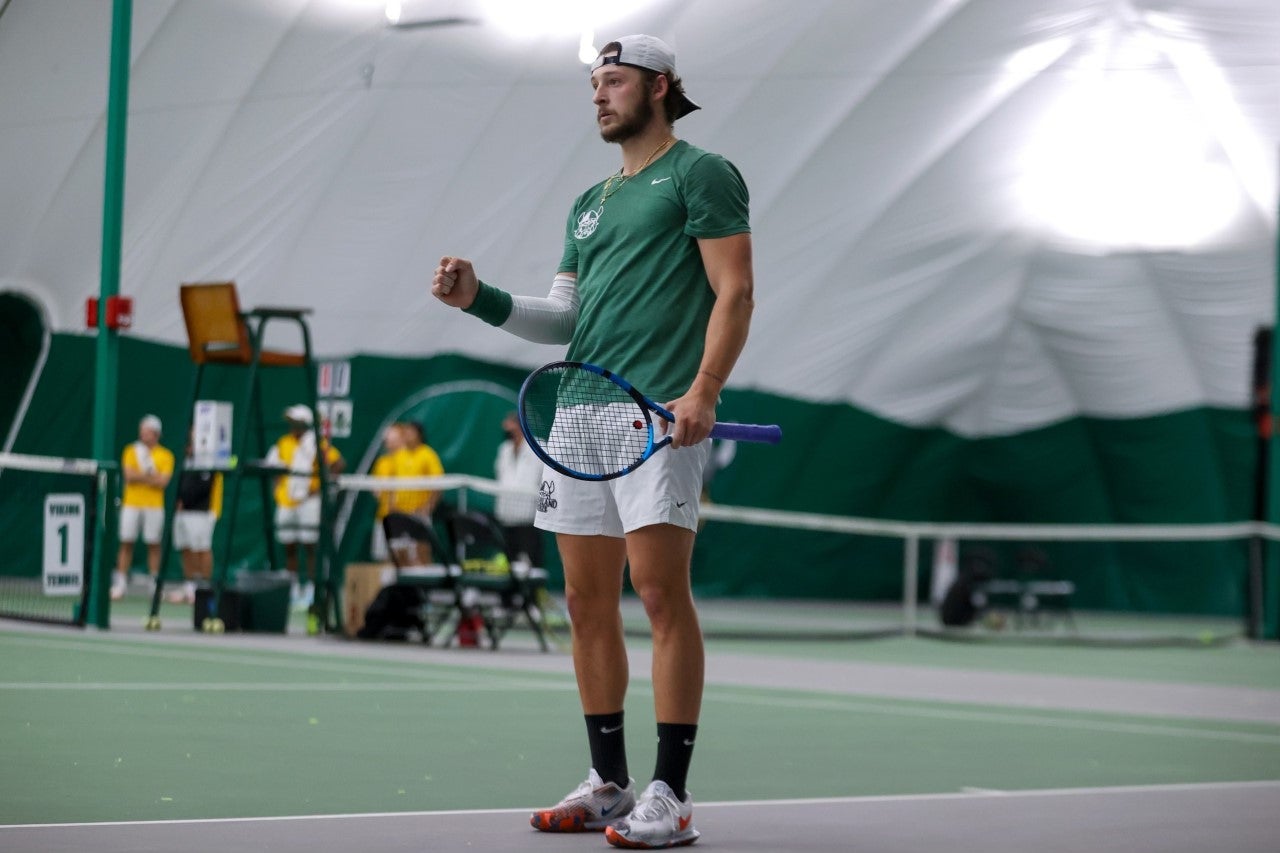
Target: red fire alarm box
{"x": 119, "y": 312}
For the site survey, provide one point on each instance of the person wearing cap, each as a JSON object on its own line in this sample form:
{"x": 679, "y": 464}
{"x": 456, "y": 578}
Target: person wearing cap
{"x": 297, "y": 496}
{"x": 147, "y": 467}
{"x": 655, "y": 283}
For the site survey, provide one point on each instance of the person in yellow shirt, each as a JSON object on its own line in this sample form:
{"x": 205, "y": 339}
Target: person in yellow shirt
{"x": 385, "y": 466}
{"x": 297, "y": 495}
{"x": 416, "y": 459}
{"x": 147, "y": 467}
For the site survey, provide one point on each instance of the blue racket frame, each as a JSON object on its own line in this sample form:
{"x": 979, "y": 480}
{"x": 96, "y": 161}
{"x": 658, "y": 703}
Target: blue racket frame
{"x": 759, "y": 433}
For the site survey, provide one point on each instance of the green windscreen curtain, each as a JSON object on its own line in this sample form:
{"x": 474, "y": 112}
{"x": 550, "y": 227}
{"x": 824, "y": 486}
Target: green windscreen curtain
{"x": 1188, "y": 466}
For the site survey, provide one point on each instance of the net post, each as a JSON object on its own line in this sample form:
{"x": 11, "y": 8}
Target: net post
{"x": 910, "y": 582}
{"x": 1270, "y": 581}
{"x": 107, "y": 366}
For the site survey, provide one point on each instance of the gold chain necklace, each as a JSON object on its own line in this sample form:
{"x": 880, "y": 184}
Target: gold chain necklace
{"x": 610, "y": 188}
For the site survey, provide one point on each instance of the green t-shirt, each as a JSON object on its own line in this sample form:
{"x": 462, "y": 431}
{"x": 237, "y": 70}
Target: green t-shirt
{"x": 644, "y": 295}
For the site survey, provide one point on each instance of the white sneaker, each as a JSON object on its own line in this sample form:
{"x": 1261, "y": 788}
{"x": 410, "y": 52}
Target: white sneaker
{"x": 658, "y": 820}
{"x": 593, "y": 805}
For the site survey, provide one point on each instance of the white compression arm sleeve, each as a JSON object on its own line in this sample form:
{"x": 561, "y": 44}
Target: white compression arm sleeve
{"x": 549, "y": 319}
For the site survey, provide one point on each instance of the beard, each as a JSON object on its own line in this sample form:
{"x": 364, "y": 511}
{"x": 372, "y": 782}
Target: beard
{"x": 631, "y": 125}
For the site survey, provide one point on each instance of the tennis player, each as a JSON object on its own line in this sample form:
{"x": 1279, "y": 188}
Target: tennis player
{"x": 655, "y": 284}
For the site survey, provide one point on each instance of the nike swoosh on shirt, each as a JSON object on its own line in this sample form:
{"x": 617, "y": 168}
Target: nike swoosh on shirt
{"x": 656, "y": 181}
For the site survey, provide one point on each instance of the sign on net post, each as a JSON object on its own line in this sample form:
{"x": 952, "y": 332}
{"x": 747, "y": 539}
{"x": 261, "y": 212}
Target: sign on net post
{"x": 63, "y": 544}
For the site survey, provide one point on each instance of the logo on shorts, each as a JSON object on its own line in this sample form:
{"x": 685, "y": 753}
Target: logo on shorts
{"x": 546, "y": 495}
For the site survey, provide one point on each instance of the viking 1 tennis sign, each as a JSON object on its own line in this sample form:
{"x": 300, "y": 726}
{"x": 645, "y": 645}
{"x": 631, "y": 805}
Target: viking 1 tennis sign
{"x": 63, "y": 544}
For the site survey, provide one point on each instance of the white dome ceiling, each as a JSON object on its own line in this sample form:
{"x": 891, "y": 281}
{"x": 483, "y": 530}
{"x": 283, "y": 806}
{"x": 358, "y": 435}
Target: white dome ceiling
{"x": 986, "y": 215}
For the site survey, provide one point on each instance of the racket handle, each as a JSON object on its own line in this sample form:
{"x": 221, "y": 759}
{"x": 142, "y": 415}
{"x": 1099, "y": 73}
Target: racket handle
{"x": 760, "y": 433}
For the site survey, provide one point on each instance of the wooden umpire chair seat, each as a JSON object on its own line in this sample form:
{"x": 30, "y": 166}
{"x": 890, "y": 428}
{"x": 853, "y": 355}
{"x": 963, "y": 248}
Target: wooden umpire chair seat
{"x": 488, "y": 584}
{"x": 220, "y": 332}
{"x": 433, "y": 587}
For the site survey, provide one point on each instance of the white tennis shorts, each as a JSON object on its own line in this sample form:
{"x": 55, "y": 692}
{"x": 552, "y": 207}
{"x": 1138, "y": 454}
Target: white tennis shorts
{"x": 193, "y": 529}
{"x": 664, "y": 490}
{"x": 299, "y": 523}
{"x": 148, "y": 522}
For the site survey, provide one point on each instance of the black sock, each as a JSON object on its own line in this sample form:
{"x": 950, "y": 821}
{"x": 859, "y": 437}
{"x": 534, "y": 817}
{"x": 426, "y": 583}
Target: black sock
{"x": 608, "y": 749}
{"x": 675, "y": 751}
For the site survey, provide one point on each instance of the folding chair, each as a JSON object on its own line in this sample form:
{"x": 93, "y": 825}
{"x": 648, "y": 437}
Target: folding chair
{"x": 436, "y": 583}
{"x": 487, "y": 585}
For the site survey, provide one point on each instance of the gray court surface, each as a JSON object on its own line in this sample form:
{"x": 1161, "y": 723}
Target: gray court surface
{"x": 933, "y": 747}
{"x": 1240, "y": 818}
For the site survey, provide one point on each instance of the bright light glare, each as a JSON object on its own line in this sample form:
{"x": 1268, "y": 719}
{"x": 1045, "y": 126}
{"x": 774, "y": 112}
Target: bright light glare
{"x": 587, "y": 51}
{"x": 525, "y": 19}
{"x": 1036, "y": 58}
{"x": 394, "y": 11}
{"x": 1120, "y": 161}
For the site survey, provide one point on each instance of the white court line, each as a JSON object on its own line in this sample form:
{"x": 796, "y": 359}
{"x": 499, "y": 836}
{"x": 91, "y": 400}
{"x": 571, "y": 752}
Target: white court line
{"x": 283, "y": 660}
{"x": 298, "y": 687}
{"x": 482, "y": 680}
{"x": 970, "y": 794}
{"x": 714, "y": 693}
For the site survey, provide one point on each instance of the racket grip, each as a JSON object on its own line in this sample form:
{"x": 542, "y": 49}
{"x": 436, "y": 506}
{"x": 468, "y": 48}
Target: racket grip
{"x": 760, "y": 433}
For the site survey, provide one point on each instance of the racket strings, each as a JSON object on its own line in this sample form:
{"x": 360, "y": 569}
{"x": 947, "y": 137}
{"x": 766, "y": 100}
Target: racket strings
{"x": 585, "y": 422}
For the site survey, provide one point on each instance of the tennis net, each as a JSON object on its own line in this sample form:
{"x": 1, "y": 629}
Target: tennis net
{"x": 763, "y": 574}
{"x": 48, "y": 507}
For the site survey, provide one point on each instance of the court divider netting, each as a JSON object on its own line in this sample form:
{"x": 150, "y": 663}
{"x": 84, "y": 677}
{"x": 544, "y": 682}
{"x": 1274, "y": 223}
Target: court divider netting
{"x": 48, "y": 510}
{"x": 1021, "y": 583}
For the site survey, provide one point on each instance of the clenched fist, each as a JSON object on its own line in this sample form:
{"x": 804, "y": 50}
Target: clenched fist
{"x": 455, "y": 282}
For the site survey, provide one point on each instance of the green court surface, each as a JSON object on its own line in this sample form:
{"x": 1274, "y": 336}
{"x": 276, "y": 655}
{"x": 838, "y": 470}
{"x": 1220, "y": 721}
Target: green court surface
{"x": 124, "y": 725}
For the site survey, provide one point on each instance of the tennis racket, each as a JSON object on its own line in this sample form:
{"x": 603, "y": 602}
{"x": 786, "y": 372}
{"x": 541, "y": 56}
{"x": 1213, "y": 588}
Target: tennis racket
{"x": 590, "y": 424}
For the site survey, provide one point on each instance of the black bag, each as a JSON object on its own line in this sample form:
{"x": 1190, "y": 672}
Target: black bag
{"x": 394, "y": 613}
{"x": 958, "y": 607}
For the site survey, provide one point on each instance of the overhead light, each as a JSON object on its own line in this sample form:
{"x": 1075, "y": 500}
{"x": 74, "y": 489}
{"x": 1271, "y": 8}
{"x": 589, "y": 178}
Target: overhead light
{"x": 525, "y": 19}
{"x": 1125, "y": 159}
{"x": 587, "y": 51}
{"x": 425, "y": 14}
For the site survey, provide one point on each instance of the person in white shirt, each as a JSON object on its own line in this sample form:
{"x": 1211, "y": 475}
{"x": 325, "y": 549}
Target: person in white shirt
{"x": 516, "y": 467}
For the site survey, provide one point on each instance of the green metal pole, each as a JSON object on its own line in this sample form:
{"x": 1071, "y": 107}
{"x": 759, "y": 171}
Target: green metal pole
{"x": 1271, "y": 578}
{"x": 108, "y": 351}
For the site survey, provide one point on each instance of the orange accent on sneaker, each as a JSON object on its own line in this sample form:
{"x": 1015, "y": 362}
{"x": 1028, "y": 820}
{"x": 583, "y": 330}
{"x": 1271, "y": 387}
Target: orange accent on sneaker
{"x": 684, "y": 822}
{"x": 550, "y": 821}
{"x": 618, "y": 840}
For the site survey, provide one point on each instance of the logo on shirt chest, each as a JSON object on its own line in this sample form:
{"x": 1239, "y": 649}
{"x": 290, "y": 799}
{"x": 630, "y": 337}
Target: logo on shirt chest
{"x": 587, "y": 224}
